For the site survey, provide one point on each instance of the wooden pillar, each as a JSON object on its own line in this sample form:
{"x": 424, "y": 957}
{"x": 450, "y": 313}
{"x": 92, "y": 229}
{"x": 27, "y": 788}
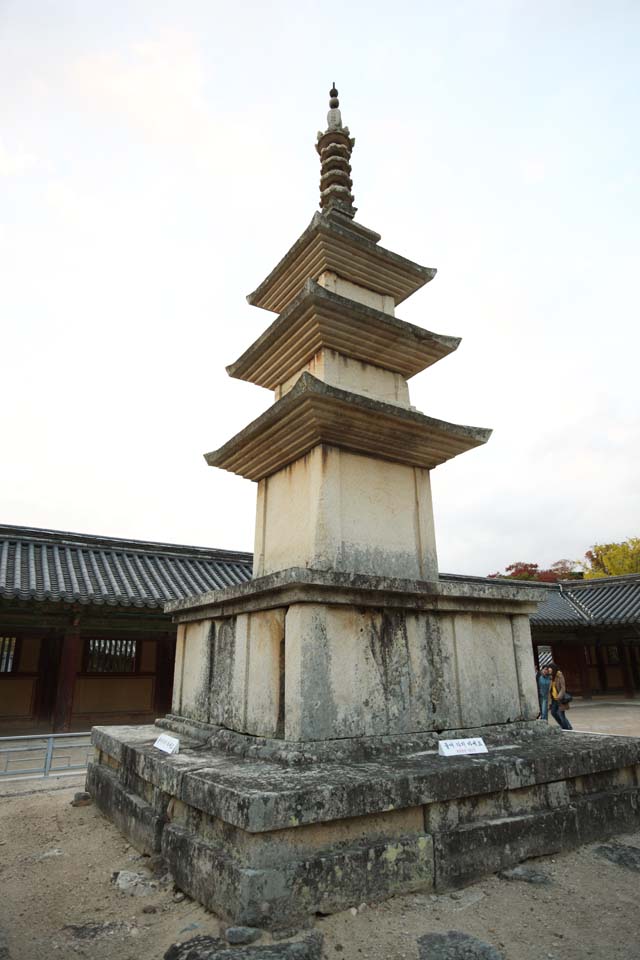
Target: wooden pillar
{"x": 602, "y": 670}
{"x": 70, "y": 666}
{"x": 627, "y": 676}
{"x": 165, "y": 661}
{"x": 585, "y": 676}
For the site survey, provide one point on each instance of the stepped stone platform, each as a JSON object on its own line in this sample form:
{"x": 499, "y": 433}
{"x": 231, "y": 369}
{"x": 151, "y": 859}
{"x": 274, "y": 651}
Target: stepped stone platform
{"x": 271, "y": 842}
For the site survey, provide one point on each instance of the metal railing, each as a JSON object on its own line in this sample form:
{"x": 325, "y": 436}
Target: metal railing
{"x": 44, "y": 755}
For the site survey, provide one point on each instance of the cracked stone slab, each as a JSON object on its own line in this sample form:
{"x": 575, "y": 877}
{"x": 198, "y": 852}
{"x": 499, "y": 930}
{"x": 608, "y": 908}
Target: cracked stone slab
{"x": 212, "y": 948}
{"x": 621, "y": 854}
{"x": 455, "y": 945}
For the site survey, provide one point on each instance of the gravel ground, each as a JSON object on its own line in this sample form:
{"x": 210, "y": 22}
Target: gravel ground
{"x": 57, "y": 861}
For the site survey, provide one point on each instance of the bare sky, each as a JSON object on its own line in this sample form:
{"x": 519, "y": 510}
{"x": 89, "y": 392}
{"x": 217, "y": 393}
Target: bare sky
{"x": 156, "y": 161}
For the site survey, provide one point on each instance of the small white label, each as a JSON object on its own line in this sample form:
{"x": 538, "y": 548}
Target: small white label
{"x": 167, "y": 744}
{"x": 458, "y": 748}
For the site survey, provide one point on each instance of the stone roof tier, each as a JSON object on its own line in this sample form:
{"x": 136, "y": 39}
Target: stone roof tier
{"x": 317, "y": 318}
{"x": 333, "y": 243}
{"x": 313, "y": 412}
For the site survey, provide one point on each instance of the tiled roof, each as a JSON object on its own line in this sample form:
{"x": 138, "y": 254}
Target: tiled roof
{"x": 52, "y": 565}
{"x": 79, "y": 568}
{"x": 606, "y": 601}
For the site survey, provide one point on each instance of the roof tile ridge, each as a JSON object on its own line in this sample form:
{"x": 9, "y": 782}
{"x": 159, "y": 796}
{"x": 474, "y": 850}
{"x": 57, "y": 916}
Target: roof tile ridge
{"x": 66, "y": 538}
{"x": 576, "y": 604}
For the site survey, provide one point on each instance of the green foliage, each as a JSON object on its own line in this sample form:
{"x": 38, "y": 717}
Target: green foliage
{"x": 612, "y": 559}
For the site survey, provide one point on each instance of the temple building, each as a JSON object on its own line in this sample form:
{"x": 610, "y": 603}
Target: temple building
{"x": 60, "y": 591}
{"x": 83, "y": 635}
{"x": 592, "y": 628}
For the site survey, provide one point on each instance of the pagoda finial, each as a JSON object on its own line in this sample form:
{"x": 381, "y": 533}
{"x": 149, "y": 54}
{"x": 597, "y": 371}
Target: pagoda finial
{"x": 335, "y": 146}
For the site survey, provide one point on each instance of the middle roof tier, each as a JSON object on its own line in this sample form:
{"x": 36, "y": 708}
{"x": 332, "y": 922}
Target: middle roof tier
{"x": 317, "y": 319}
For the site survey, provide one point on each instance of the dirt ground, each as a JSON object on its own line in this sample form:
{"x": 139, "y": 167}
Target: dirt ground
{"x": 57, "y": 898}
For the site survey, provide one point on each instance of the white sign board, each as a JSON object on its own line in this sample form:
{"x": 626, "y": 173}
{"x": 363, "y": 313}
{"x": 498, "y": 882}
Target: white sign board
{"x": 167, "y": 744}
{"x": 459, "y": 748}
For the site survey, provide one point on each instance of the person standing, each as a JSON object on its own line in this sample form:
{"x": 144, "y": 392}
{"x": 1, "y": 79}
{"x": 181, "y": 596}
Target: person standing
{"x": 544, "y": 685}
{"x": 556, "y": 693}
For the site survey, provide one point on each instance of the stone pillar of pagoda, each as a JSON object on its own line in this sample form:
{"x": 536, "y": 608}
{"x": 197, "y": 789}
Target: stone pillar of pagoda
{"x": 342, "y": 459}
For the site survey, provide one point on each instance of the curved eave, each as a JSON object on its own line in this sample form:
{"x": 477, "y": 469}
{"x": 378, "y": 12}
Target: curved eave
{"x": 318, "y": 318}
{"x": 115, "y": 601}
{"x": 327, "y": 245}
{"x": 314, "y": 413}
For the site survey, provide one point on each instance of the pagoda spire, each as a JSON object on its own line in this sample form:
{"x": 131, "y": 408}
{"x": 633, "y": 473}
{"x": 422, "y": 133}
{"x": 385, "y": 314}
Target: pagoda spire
{"x": 334, "y": 147}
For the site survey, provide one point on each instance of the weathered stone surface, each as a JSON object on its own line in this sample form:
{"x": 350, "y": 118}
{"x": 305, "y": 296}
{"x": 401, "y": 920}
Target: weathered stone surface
{"x": 135, "y": 884}
{"x": 4, "y": 946}
{"x": 82, "y": 799}
{"x": 266, "y": 844}
{"x": 475, "y": 849}
{"x": 603, "y": 814}
{"x": 211, "y": 948}
{"x": 419, "y": 670}
{"x": 620, "y": 853}
{"x": 455, "y": 945}
{"x": 346, "y": 512}
{"x": 259, "y": 796}
{"x": 525, "y": 875}
{"x": 133, "y": 817}
{"x": 242, "y": 934}
{"x": 357, "y": 589}
{"x": 96, "y": 930}
{"x": 291, "y": 890}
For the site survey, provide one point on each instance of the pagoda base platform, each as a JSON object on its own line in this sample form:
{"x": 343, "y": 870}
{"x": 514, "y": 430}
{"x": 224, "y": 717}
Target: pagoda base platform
{"x": 268, "y": 834}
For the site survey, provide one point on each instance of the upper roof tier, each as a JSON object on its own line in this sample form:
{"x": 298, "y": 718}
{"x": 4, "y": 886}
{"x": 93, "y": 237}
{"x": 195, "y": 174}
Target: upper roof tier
{"x": 334, "y": 243}
{"x": 317, "y": 318}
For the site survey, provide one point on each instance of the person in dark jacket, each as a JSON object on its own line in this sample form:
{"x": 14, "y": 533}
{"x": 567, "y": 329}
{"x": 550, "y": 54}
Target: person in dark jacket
{"x": 544, "y": 685}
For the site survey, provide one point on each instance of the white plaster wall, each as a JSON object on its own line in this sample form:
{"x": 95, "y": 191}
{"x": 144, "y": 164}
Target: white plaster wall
{"x": 334, "y": 510}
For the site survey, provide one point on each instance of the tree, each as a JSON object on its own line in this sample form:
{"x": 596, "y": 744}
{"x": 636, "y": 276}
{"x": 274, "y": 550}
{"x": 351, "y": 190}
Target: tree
{"x": 560, "y": 570}
{"x": 612, "y": 559}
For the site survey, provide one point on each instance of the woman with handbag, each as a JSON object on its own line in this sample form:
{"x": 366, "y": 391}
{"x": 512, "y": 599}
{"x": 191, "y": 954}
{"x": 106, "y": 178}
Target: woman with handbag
{"x": 559, "y": 699}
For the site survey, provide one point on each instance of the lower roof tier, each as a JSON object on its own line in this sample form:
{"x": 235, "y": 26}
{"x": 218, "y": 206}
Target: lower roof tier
{"x": 314, "y": 412}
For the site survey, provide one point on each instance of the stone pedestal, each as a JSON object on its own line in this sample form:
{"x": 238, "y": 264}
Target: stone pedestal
{"x": 309, "y": 708}
{"x": 309, "y": 702}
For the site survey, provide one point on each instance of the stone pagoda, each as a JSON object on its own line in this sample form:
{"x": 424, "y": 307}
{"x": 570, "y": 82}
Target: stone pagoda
{"x": 310, "y": 701}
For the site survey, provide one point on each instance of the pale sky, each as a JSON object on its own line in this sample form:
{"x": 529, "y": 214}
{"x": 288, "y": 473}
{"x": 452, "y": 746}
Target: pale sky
{"x": 156, "y": 161}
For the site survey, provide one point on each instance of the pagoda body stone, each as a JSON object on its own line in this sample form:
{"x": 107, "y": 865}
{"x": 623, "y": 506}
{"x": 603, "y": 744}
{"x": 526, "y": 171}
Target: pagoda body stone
{"x": 309, "y": 702}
